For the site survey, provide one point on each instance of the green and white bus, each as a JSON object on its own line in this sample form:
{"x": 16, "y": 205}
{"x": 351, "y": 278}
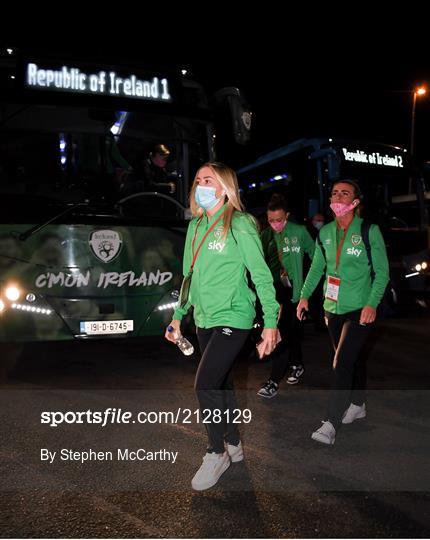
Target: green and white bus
{"x": 86, "y": 251}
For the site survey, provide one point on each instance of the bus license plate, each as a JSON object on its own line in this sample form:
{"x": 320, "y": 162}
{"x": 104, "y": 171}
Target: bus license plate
{"x": 106, "y": 327}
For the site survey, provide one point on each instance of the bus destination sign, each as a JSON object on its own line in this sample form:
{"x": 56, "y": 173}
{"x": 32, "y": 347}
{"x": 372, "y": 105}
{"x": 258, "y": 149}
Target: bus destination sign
{"x": 373, "y": 158}
{"x": 106, "y": 83}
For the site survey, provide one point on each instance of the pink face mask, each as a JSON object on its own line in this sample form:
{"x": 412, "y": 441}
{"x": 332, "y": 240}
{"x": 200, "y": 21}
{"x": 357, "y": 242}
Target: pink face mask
{"x": 278, "y": 226}
{"x": 340, "y": 209}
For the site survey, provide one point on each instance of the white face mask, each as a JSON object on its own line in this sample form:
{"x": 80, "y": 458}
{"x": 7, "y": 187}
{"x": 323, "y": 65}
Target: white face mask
{"x": 206, "y": 198}
{"x": 318, "y": 224}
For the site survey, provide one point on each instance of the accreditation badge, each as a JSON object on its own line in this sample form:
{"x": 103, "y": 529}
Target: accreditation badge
{"x": 333, "y": 285}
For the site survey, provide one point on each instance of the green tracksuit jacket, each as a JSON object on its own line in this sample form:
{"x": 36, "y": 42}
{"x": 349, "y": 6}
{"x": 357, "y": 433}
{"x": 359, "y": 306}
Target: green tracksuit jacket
{"x": 356, "y": 287}
{"x": 291, "y": 243}
{"x": 219, "y": 289}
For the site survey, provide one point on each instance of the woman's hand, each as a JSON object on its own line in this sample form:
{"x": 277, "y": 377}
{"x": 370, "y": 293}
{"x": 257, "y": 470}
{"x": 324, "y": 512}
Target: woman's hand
{"x": 270, "y": 338}
{"x": 368, "y": 315}
{"x": 173, "y": 335}
{"x": 302, "y": 305}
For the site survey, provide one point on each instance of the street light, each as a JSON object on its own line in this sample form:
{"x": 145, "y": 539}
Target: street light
{"x": 418, "y": 92}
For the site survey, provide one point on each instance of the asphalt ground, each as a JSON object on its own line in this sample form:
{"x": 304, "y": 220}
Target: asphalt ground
{"x": 374, "y": 482}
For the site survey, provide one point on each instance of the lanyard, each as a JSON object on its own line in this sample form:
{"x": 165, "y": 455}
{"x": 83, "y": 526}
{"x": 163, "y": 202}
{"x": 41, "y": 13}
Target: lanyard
{"x": 339, "y": 249}
{"x": 203, "y": 239}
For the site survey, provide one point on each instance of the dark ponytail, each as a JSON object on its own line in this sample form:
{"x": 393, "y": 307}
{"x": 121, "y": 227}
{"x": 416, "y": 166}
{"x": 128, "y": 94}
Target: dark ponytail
{"x": 278, "y": 202}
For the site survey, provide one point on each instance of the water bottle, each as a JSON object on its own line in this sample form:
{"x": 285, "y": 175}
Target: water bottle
{"x": 182, "y": 342}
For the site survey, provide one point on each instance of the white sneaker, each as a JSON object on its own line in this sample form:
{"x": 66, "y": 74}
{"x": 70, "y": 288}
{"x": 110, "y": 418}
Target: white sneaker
{"x": 235, "y": 452}
{"x": 326, "y": 434}
{"x": 213, "y": 466}
{"x": 354, "y": 412}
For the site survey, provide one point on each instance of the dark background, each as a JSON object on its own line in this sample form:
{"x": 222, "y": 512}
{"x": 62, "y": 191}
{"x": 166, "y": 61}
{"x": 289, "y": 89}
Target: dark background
{"x": 358, "y": 97}
{"x": 302, "y": 77}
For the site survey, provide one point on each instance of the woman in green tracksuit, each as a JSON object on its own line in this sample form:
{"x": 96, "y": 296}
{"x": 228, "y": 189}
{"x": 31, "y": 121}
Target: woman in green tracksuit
{"x": 285, "y": 244}
{"x": 353, "y": 290}
{"x": 222, "y": 244}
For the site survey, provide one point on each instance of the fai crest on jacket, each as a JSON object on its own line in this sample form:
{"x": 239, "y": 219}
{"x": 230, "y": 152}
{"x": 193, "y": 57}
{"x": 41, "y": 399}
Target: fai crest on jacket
{"x": 355, "y": 239}
{"x": 105, "y": 245}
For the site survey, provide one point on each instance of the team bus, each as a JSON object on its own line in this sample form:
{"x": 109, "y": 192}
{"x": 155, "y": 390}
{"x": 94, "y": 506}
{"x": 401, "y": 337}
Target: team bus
{"x": 396, "y": 196}
{"x": 85, "y": 250}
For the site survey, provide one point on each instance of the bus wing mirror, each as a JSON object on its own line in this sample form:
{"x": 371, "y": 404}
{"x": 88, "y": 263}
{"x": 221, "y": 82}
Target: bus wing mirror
{"x": 333, "y": 161}
{"x": 241, "y": 114}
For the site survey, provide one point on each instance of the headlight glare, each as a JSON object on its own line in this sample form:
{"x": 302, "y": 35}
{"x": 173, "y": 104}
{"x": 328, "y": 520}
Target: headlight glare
{"x": 12, "y": 293}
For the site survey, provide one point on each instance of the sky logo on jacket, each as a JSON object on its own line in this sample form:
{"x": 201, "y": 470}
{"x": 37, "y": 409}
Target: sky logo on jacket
{"x": 216, "y": 245}
{"x": 354, "y": 251}
{"x": 293, "y": 249}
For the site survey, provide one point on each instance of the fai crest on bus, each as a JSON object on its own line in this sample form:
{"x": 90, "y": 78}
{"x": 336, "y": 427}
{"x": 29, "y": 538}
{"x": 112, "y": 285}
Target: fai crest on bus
{"x": 106, "y": 244}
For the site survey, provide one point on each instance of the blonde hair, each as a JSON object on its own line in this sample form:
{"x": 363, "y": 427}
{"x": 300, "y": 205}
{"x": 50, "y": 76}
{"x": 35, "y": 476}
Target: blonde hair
{"x": 228, "y": 180}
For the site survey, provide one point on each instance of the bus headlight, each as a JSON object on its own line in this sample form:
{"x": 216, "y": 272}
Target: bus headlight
{"x": 12, "y": 293}
{"x": 170, "y": 305}
{"x": 421, "y": 266}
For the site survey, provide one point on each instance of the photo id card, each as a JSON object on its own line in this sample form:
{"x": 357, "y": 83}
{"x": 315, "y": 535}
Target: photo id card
{"x": 332, "y": 292}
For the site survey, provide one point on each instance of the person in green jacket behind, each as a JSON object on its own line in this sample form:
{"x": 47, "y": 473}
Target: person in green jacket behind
{"x": 222, "y": 243}
{"x": 352, "y": 292}
{"x": 285, "y": 244}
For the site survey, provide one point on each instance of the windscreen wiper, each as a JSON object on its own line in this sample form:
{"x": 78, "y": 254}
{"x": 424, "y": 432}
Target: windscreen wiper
{"x": 26, "y": 234}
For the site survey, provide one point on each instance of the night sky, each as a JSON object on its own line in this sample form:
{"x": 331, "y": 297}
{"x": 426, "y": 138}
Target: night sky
{"x": 353, "y": 84}
{"x": 357, "y": 91}
{"x": 332, "y": 99}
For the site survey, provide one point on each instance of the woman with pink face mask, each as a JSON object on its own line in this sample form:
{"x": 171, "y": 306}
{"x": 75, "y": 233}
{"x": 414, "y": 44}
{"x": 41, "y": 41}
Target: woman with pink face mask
{"x": 285, "y": 244}
{"x": 353, "y": 289}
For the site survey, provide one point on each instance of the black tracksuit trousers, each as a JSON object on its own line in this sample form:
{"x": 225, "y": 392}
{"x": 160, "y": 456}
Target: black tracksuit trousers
{"x": 214, "y": 383}
{"x": 349, "y": 366}
{"x": 289, "y": 351}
